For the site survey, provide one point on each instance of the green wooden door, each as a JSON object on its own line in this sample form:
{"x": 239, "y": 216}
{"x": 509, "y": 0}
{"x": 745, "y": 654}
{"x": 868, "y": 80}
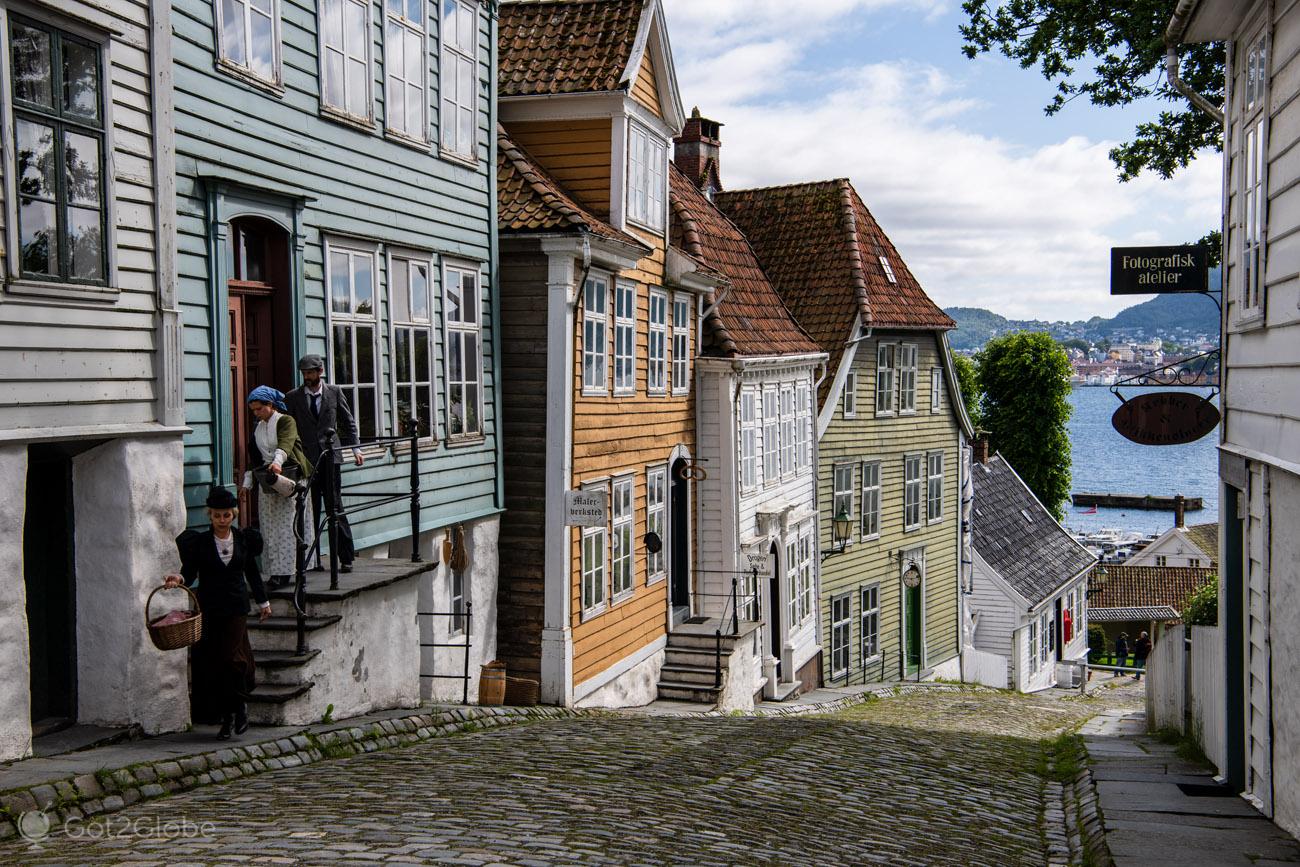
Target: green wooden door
{"x": 912, "y": 626}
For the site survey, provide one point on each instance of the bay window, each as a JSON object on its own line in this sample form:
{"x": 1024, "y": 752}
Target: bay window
{"x": 647, "y": 162}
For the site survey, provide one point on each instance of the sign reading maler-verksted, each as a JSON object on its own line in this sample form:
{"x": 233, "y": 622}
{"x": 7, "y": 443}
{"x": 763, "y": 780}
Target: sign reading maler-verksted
{"x": 1158, "y": 270}
{"x": 585, "y": 508}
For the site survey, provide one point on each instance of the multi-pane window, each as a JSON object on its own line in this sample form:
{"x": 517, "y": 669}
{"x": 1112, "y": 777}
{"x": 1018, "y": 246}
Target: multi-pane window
{"x": 657, "y": 346}
{"x": 459, "y": 77}
{"x": 907, "y": 377}
{"x": 913, "y": 488}
{"x": 656, "y": 498}
{"x": 748, "y": 439}
{"x": 681, "y": 344}
{"x": 248, "y": 36}
{"x": 405, "y": 67}
{"x": 461, "y": 312}
{"x": 621, "y": 539}
{"x": 1033, "y": 646}
{"x": 841, "y": 634}
{"x": 807, "y": 604}
{"x": 1162, "y": 560}
{"x": 771, "y": 436}
{"x": 792, "y": 584}
{"x": 595, "y": 335}
{"x": 885, "y": 396}
{"x": 647, "y": 162}
{"x": 624, "y": 338}
{"x": 789, "y": 424}
{"x": 1254, "y": 155}
{"x": 1047, "y": 635}
{"x": 803, "y": 423}
{"x": 851, "y": 395}
{"x": 870, "y": 618}
{"x": 934, "y": 487}
{"x": 936, "y": 388}
{"x": 870, "y": 499}
{"x": 842, "y": 499}
{"x": 345, "y": 56}
{"x": 351, "y": 276}
{"x": 595, "y": 542}
{"x": 457, "y": 593}
{"x": 409, "y": 307}
{"x": 59, "y": 124}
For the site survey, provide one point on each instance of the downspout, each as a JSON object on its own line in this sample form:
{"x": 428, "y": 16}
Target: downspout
{"x": 494, "y": 254}
{"x": 1173, "y": 38}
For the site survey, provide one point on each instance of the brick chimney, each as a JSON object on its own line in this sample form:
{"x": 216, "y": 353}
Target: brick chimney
{"x": 699, "y": 143}
{"x": 980, "y": 449}
{"x": 1180, "y": 511}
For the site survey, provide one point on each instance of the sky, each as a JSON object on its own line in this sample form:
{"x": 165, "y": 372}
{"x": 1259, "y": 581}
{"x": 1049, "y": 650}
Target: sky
{"x": 990, "y": 202}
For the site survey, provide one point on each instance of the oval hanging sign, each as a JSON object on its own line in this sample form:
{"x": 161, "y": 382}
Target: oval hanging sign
{"x": 1166, "y": 418}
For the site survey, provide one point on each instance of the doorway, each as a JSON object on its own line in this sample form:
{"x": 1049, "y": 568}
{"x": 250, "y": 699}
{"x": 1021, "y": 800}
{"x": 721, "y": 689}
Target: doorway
{"x": 679, "y": 537}
{"x": 774, "y": 608}
{"x": 912, "y": 628}
{"x": 49, "y": 576}
{"x": 1059, "y": 637}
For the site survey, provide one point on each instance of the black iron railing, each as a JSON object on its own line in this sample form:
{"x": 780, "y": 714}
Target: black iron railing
{"x": 731, "y": 610}
{"x": 467, "y": 618}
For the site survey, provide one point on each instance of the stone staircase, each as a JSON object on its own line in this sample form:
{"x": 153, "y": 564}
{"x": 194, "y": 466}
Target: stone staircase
{"x": 689, "y": 671}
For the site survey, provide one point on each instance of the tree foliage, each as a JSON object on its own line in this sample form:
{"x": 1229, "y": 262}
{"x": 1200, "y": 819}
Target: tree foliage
{"x": 1124, "y": 44}
{"x": 1025, "y": 380}
{"x": 968, "y": 382}
{"x": 1202, "y": 608}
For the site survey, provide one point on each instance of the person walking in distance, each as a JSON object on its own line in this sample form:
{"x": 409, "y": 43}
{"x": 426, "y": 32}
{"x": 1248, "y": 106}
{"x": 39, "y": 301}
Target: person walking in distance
{"x": 1141, "y": 650}
{"x": 325, "y": 421}
{"x": 1121, "y": 651}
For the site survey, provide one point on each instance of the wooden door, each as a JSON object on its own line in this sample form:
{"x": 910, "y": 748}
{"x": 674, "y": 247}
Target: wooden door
{"x": 239, "y": 412}
{"x": 251, "y": 365}
{"x": 912, "y": 626}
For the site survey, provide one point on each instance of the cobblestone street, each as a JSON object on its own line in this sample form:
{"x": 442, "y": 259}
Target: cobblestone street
{"x": 943, "y": 777}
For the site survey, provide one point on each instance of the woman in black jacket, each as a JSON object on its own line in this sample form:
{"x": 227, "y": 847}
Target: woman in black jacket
{"x": 223, "y": 560}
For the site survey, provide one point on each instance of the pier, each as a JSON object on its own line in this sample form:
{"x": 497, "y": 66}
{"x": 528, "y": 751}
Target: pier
{"x": 1138, "y": 501}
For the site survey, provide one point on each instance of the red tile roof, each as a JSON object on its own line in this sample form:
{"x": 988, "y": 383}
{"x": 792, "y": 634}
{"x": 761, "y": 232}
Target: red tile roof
{"x": 566, "y": 46}
{"x": 751, "y": 319}
{"x": 1145, "y": 586}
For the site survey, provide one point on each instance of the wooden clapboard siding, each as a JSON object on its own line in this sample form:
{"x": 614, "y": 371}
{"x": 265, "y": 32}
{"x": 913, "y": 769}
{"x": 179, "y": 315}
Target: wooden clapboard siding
{"x": 645, "y": 89}
{"x": 350, "y": 184}
{"x": 577, "y": 153}
{"x": 888, "y": 440}
{"x": 72, "y": 363}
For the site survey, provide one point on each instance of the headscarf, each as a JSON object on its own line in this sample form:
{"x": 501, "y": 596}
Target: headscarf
{"x": 266, "y": 394}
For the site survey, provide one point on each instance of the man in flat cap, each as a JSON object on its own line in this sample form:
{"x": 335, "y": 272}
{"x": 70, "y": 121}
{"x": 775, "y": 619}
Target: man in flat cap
{"x": 325, "y": 421}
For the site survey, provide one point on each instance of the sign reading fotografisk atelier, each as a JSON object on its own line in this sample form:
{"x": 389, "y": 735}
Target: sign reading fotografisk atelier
{"x": 586, "y": 508}
{"x": 1158, "y": 270}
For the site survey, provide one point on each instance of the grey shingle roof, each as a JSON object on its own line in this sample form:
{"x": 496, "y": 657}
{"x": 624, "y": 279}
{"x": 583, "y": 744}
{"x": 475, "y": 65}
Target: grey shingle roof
{"x": 1016, "y": 536}
{"x": 1128, "y": 615}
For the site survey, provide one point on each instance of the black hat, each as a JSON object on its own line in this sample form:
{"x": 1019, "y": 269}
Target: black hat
{"x": 311, "y": 361}
{"x": 220, "y": 498}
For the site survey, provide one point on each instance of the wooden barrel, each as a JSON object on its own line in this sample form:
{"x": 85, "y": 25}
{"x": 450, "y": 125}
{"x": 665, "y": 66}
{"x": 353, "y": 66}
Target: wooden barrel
{"x": 492, "y": 684}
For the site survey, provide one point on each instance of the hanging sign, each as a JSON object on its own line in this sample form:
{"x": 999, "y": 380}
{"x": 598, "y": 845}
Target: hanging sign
{"x": 1159, "y": 270}
{"x": 1166, "y": 418}
{"x": 586, "y": 508}
{"x": 759, "y": 559}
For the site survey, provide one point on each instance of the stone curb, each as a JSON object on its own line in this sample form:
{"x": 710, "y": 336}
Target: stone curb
{"x": 110, "y": 790}
{"x": 1090, "y": 822}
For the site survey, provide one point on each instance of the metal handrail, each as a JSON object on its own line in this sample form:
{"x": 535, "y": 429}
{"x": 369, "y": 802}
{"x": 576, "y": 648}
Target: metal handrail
{"x": 463, "y": 677}
{"x": 733, "y": 602}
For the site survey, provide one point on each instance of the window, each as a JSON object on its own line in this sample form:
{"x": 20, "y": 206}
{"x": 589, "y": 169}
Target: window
{"x": 647, "y": 158}
{"x": 681, "y": 344}
{"x": 1194, "y": 562}
{"x": 851, "y": 395}
{"x": 841, "y": 634}
{"x": 789, "y": 423}
{"x": 595, "y": 336}
{"x": 594, "y": 545}
{"x": 842, "y": 499}
{"x": 461, "y": 310}
{"x": 936, "y": 389}
{"x": 912, "y": 488}
{"x": 408, "y": 305}
{"x": 59, "y": 129}
{"x": 457, "y": 593}
{"x": 1162, "y": 560}
{"x": 885, "y": 379}
{"x": 406, "y": 63}
{"x": 771, "y": 436}
{"x": 1254, "y": 198}
{"x": 888, "y": 269}
{"x": 803, "y": 425}
{"x": 459, "y": 77}
{"x": 248, "y": 37}
{"x": 934, "y": 487}
{"x": 1033, "y": 646}
{"x": 657, "y": 362}
{"x": 792, "y": 583}
{"x": 625, "y": 338}
{"x": 907, "y": 377}
{"x": 748, "y": 439}
{"x": 656, "y": 498}
{"x": 345, "y": 56}
{"x": 1047, "y": 636}
{"x": 351, "y": 276}
{"x": 807, "y": 604}
{"x": 621, "y": 543}
{"x": 870, "y": 617}
{"x": 870, "y": 499}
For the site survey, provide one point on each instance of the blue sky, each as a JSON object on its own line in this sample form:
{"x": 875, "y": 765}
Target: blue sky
{"x": 992, "y": 203}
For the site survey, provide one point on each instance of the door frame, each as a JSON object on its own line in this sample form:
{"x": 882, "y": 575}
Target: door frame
{"x": 679, "y": 453}
{"x": 906, "y": 557}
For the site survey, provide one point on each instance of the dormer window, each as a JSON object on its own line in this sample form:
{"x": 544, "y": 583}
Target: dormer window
{"x": 647, "y": 161}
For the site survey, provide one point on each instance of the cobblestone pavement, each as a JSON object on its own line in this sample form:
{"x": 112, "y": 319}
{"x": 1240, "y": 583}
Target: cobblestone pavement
{"x": 943, "y": 778}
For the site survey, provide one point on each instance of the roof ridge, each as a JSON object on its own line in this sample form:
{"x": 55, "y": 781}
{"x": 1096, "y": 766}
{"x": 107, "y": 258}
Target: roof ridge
{"x": 792, "y": 186}
{"x": 856, "y": 269}
{"x": 695, "y": 247}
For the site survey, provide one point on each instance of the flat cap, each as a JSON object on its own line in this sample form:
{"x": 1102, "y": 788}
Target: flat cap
{"x": 311, "y": 361}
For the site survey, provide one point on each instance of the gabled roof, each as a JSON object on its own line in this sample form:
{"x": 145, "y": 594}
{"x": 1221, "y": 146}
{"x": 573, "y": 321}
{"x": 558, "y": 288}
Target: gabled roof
{"x": 530, "y": 200}
{"x": 1018, "y": 537}
{"x": 566, "y": 46}
{"x": 1205, "y": 537}
{"x": 750, "y": 320}
{"x": 1145, "y": 586}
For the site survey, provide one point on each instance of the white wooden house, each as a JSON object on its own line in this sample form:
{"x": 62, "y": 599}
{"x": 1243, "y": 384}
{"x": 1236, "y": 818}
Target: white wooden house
{"x": 1196, "y": 547}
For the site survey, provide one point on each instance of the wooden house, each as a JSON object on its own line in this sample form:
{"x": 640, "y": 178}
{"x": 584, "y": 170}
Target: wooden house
{"x": 891, "y": 432}
{"x": 334, "y": 194}
{"x": 90, "y": 400}
{"x": 599, "y": 334}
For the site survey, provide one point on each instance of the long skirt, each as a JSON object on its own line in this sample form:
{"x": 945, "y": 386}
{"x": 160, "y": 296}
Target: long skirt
{"x": 275, "y": 517}
{"x": 222, "y": 668}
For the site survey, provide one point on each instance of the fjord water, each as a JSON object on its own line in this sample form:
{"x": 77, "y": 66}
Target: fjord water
{"x": 1105, "y": 462}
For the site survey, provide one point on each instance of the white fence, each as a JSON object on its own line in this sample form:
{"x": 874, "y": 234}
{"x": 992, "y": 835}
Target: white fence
{"x": 1167, "y": 682}
{"x": 1185, "y": 687}
{"x": 990, "y": 669}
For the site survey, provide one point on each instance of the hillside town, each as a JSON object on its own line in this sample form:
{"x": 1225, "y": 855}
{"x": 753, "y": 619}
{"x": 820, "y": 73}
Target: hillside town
{"x": 425, "y": 447}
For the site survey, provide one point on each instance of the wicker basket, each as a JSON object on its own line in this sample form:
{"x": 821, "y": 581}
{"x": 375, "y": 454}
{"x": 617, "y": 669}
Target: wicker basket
{"x": 522, "y": 692}
{"x": 174, "y": 636}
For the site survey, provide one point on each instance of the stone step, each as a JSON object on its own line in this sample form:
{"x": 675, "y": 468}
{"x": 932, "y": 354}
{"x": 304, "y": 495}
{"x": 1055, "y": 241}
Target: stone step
{"x": 701, "y": 675}
{"x": 785, "y": 689}
{"x": 290, "y": 624}
{"x": 702, "y": 658}
{"x": 280, "y": 634}
{"x": 699, "y": 641}
{"x": 278, "y": 693}
{"x": 678, "y": 691}
{"x": 283, "y": 658}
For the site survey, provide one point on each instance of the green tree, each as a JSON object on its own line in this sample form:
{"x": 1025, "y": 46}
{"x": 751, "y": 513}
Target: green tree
{"x": 1202, "y": 607}
{"x": 1025, "y": 380}
{"x": 1124, "y": 43}
{"x": 1076, "y": 343}
{"x": 969, "y": 383}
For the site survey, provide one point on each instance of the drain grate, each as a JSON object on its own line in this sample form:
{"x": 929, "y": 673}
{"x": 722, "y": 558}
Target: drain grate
{"x": 1205, "y": 790}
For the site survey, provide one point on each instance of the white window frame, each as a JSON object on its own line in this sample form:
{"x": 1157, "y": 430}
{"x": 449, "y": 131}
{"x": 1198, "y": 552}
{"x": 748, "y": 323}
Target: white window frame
{"x": 353, "y": 320}
{"x": 869, "y": 628}
{"x": 1033, "y": 645}
{"x": 460, "y": 327}
{"x": 803, "y": 425}
{"x": 1162, "y": 560}
{"x": 625, "y": 301}
{"x": 793, "y": 618}
{"x": 458, "y": 56}
{"x": 841, "y": 635}
{"x": 934, "y": 467}
{"x": 681, "y": 323}
{"x": 807, "y": 603}
{"x": 647, "y": 177}
{"x": 594, "y": 576}
{"x": 347, "y": 51}
{"x": 457, "y": 590}
{"x": 907, "y": 367}
{"x": 1047, "y": 636}
{"x": 749, "y": 450}
{"x": 870, "y": 524}
{"x": 886, "y": 379}
{"x": 396, "y": 24}
{"x": 789, "y": 431}
{"x": 657, "y": 343}
{"x": 936, "y": 389}
{"x": 245, "y": 70}
{"x": 913, "y": 491}
{"x": 771, "y": 420}
{"x": 842, "y": 493}
{"x": 656, "y": 521}
{"x": 851, "y": 394}
{"x": 412, "y": 323}
{"x": 622, "y": 555}
{"x": 595, "y": 335}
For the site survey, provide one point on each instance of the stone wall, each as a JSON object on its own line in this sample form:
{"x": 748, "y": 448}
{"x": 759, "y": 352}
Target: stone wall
{"x": 15, "y": 699}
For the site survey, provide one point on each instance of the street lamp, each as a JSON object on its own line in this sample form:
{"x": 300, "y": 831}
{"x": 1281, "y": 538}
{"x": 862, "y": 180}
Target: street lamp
{"x": 841, "y": 533}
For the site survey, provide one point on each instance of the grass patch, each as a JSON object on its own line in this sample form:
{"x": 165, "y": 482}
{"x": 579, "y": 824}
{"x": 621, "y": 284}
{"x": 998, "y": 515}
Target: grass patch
{"x": 1062, "y": 758}
{"x": 1185, "y": 746}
